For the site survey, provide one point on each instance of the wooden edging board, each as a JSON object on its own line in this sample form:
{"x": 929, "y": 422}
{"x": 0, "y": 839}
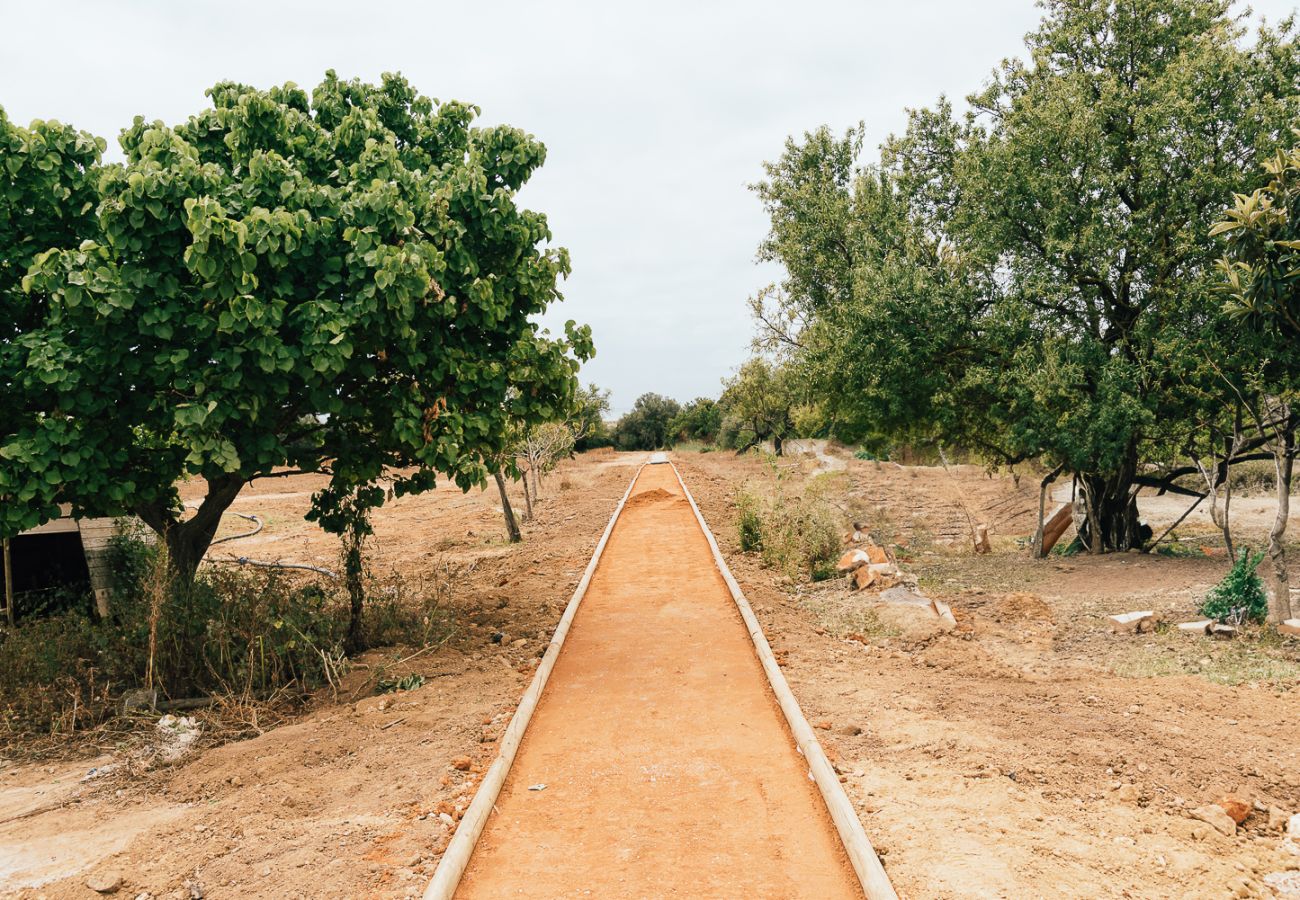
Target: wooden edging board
{"x": 451, "y": 867}
{"x": 875, "y": 883}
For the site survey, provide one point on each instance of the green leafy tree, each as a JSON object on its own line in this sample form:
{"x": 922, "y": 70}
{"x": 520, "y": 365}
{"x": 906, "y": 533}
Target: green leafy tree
{"x": 1029, "y": 280}
{"x": 759, "y": 402}
{"x": 587, "y": 420}
{"x": 339, "y": 281}
{"x": 699, "y": 420}
{"x": 1262, "y": 273}
{"x": 48, "y": 176}
{"x": 646, "y": 426}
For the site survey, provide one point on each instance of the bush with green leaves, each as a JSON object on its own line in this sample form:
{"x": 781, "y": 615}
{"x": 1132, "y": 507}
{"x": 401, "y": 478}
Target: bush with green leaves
{"x": 795, "y": 530}
{"x": 1239, "y": 597}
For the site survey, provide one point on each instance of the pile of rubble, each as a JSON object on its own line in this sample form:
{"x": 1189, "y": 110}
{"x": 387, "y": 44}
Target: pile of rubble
{"x": 873, "y": 571}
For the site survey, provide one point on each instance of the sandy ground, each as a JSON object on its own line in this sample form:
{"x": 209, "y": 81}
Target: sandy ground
{"x": 990, "y": 762}
{"x": 658, "y": 763}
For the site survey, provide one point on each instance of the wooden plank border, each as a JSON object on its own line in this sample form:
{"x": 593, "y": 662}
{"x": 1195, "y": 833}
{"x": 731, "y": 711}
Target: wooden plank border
{"x": 875, "y": 882}
{"x": 446, "y": 877}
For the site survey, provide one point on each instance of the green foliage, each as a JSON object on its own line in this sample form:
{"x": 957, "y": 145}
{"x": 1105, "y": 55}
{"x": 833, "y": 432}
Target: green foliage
{"x": 338, "y": 281}
{"x": 405, "y": 683}
{"x": 1239, "y": 597}
{"x": 699, "y": 420}
{"x": 648, "y": 425}
{"x": 749, "y": 522}
{"x": 1036, "y": 279}
{"x": 590, "y": 405}
{"x": 794, "y": 527}
{"x": 1262, "y": 239}
{"x": 758, "y": 404}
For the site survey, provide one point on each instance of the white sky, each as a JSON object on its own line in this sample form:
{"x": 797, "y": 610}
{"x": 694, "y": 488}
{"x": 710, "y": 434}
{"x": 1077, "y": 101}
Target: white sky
{"x": 656, "y": 116}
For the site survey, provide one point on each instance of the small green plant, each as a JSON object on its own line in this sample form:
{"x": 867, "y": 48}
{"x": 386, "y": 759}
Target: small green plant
{"x": 1176, "y": 549}
{"x": 749, "y": 522}
{"x": 1239, "y": 597}
{"x": 405, "y": 683}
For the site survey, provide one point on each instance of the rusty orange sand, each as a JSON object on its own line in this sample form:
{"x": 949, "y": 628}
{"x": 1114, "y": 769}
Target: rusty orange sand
{"x": 668, "y": 768}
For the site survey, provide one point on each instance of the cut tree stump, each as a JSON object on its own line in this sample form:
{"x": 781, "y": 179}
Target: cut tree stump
{"x": 1201, "y": 627}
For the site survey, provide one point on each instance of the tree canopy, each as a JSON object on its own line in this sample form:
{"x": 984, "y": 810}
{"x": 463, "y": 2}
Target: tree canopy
{"x": 1035, "y": 278}
{"x": 339, "y": 280}
{"x": 647, "y": 425}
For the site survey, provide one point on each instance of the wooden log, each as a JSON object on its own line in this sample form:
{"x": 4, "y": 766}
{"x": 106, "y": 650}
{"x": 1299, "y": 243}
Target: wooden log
{"x": 1055, "y": 526}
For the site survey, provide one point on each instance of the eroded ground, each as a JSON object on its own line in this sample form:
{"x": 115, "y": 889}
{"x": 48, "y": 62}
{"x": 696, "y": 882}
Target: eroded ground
{"x": 985, "y": 763}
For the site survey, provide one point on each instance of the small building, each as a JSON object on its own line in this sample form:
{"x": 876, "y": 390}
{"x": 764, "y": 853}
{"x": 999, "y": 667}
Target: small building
{"x": 64, "y": 552}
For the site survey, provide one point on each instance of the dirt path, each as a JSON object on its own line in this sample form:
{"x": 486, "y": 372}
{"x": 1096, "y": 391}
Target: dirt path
{"x": 667, "y": 766}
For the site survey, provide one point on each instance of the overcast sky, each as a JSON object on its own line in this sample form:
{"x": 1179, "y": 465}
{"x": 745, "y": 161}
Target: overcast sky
{"x": 656, "y": 117}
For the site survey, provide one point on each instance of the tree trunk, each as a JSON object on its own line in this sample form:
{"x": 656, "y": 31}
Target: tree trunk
{"x": 512, "y": 524}
{"x": 1276, "y": 579}
{"x": 528, "y": 499}
{"x": 187, "y": 540}
{"x": 1112, "y": 521}
{"x": 777, "y": 444}
{"x": 354, "y": 578}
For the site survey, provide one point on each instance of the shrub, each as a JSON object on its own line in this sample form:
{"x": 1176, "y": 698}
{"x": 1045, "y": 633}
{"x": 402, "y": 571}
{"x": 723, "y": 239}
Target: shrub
{"x": 796, "y": 532}
{"x": 749, "y": 522}
{"x": 1239, "y": 597}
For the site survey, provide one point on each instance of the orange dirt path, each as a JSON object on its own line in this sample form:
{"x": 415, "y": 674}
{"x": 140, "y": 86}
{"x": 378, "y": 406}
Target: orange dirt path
{"x": 669, "y": 769}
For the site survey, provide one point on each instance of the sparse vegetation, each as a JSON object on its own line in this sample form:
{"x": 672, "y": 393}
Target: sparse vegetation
{"x": 1239, "y": 597}
{"x": 794, "y": 528}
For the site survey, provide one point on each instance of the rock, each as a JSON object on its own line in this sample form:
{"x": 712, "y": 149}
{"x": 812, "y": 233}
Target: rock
{"x": 944, "y": 612}
{"x": 446, "y": 819}
{"x": 903, "y": 595}
{"x": 863, "y": 578}
{"x": 413, "y": 860}
{"x": 851, "y": 730}
{"x": 104, "y": 882}
{"x": 461, "y": 763}
{"x": 1236, "y": 808}
{"x": 1290, "y": 626}
{"x": 1131, "y": 621}
{"x": 824, "y": 725}
{"x": 1293, "y": 826}
{"x": 877, "y": 554}
{"x": 852, "y": 560}
{"x": 519, "y": 642}
{"x": 1128, "y": 793}
{"x": 1199, "y": 628}
{"x": 1276, "y": 819}
{"x": 1214, "y": 816}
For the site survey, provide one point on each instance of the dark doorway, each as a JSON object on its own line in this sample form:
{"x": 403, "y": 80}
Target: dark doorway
{"x": 49, "y": 571}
